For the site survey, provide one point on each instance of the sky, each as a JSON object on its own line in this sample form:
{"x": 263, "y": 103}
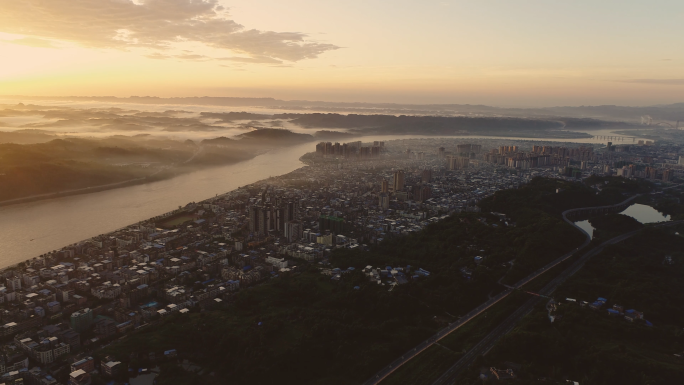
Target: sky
{"x": 517, "y": 53}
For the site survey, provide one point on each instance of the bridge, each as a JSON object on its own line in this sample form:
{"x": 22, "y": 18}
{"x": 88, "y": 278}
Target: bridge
{"x": 599, "y": 210}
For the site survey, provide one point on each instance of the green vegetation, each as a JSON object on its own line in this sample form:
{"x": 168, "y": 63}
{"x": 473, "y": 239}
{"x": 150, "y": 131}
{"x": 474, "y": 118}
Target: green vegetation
{"x": 424, "y": 369}
{"x": 311, "y": 329}
{"x": 71, "y": 164}
{"x": 670, "y": 202}
{"x": 318, "y": 331}
{"x": 273, "y": 136}
{"x": 432, "y": 363}
{"x": 424, "y": 125}
{"x": 540, "y": 233}
{"x": 308, "y": 329}
{"x": 592, "y": 347}
{"x": 555, "y": 196}
{"x": 612, "y": 225}
{"x": 25, "y": 136}
{"x": 175, "y": 220}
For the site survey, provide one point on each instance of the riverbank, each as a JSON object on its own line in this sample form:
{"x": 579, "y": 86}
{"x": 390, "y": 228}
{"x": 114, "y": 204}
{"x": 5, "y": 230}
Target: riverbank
{"x": 176, "y": 171}
{"x": 162, "y": 174}
{"x": 86, "y": 190}
{"x": 34, "y": 228}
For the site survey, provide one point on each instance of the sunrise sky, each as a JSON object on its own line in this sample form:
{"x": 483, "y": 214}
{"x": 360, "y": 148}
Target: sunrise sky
{"x": 497, "y": 52}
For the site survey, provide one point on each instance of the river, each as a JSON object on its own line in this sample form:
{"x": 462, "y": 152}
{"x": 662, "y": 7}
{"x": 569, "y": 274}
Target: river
{"x": 30, "y": 229}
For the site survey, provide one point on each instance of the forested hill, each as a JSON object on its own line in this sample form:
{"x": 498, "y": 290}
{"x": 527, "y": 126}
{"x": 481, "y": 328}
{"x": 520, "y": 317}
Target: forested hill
{"x": 555, "y": 196}
{"x": 593, "y": 347}
{"x": 426, "y": 125}
{"x": 308, "y": 329}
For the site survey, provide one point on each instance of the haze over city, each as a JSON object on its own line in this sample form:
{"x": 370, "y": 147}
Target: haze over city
{"x": 211, "y": 192}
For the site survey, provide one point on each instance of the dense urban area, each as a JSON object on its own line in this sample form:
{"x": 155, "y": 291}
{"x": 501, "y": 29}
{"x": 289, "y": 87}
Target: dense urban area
{"x": 64, "y": 312}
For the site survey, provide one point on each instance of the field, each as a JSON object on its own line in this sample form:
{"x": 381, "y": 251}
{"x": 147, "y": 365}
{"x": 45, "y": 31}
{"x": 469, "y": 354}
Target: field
{"x": 176, "y": 220}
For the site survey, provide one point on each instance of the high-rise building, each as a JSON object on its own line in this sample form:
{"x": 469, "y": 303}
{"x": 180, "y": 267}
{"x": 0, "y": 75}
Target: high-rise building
{"x": 279, "y": 218}
{"x": 320, "y": 149}
{"x": 290, "y": 211}
{"x": 607, "y": 170}
{"x": 254, "y": 219}
{"x": 81, "y": 320}
{"x": 398, "y": 180}
{"x": 332, "y": 223}
{"x": 426, "y": 176}
{"x": 265, "y": 220}
{"x": 14, "y": 283}
{"x": 632, "y": 170}
{"x": 365, "y": 152}
{"x": 457, "y": 162}
{"x": 421, "y": 192}
{"x": 667, "y": 175}
{"x": 468, "y": 148}
{"x": 384, "y": 201}
{"x": 293, "y": 231}
{"x": 441, "y": 152}
{"x": 507, "y": 149}
{"x": 384, "y": 186}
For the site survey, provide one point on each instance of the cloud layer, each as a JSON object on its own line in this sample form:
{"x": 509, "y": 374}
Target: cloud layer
{"x": 665, "y": 82}
{"x": 153, "y": 24}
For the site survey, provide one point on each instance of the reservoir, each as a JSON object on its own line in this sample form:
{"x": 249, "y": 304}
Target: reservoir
{"x": 642, "y": 213}
{"x": 586, "y": 226}
{"x": 28, "y": 230}
{"x": 645, "y": 214}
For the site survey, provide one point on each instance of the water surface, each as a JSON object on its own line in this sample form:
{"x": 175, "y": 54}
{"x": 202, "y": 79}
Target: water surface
{"x": 645, "y": 214}
{"x": 586, "y": 226}
{"x": 30, "y": 229}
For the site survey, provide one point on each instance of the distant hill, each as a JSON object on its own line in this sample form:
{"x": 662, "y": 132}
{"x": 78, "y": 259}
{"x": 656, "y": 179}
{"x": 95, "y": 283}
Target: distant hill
{"x": 25, "y": 137}
{"x": 275, "y": 135}
{"x": 218, "y": 141}
{"x": 333, "y": 135}
{"x": 668, "y": 112}
{"x": 422, "y": 125}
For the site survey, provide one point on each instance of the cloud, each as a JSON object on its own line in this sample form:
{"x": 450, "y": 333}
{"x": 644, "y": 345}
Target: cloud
{"x": 192, "y": 57}
{"x": 666, "y": 82}
{"x": 32, "y": 42}
{"x": 256, "y": 59}
{"x": 155, "y": 24}
{"x": 158, "y": 56}
{"x": 233, "y": 68}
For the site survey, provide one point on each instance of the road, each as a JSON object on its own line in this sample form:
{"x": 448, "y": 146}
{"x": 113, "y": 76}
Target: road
{"x": 521, "y": 312}
{"x": 482, "y": 347}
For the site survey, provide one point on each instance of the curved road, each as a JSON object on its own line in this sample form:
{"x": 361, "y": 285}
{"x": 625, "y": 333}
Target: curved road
{"x": 502, "y": 329}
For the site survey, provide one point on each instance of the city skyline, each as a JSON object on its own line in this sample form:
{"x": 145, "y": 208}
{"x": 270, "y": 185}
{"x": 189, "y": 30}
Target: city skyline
{"x": 364, "y": 192}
